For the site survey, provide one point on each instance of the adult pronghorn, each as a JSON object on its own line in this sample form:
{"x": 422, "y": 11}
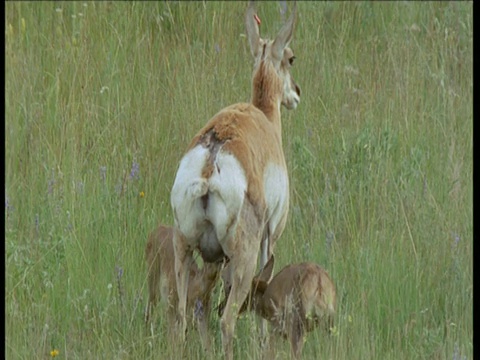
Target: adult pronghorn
{"x": 230, "y": 196}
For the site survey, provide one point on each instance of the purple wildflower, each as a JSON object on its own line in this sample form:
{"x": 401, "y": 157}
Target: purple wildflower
{"x": 118, "y": 188}
{"x": 456, "y": 353}
{"x": 283, "y": 8}
{"x": 80, "y": 187}
{"x": 199, "y": 311}
{"x": 456, "y": 240}
{"x": 37, "y": 223}
{"x": 217, "y": 48}
{"x": 51, "y": 183}
{"x": 121, "y": 293}
{"x": 103, "y": 173}
{"x": 8, "y": 206}
{"x": 119, "y": 272}
{"x": 330, "y": 236}
{"x": 69, "y": 226}
{"x": 306, "y": 248}
{"x": 135, "y": 171}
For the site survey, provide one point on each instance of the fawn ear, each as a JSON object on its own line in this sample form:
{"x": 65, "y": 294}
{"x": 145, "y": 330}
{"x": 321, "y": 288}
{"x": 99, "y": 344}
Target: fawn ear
{"x": 266, "y": 273}
{"x": 259, "y": 287}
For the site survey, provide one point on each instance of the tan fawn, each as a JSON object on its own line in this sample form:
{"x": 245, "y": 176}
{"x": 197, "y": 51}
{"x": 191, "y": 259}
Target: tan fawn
{"x": 160, "y": 258}
{"x": 295, "y": 301}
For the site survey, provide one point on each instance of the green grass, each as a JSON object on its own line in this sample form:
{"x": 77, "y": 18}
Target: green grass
{"x": 379, "y": 154}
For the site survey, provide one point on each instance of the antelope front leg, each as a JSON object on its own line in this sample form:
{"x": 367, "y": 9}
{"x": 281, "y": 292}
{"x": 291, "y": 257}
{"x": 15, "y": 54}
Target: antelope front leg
{"x": 183, "y": 261}
{"x": 243, "y": 268}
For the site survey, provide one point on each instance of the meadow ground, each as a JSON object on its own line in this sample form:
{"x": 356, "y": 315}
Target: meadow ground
{"x": 103, "y": 97}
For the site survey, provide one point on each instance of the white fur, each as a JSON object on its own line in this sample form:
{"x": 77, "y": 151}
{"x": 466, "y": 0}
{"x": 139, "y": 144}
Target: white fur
{"x": 189, "y": 184}
{"x": 226, "y": 188}
{"x": 225, "y": 222}
{"x": 276, "y": 194}
{"x": 292, "y": 98}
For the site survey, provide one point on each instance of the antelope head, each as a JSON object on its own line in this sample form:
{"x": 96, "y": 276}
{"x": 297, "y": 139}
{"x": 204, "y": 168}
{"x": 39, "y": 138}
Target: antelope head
{"x": 276, "y": 52}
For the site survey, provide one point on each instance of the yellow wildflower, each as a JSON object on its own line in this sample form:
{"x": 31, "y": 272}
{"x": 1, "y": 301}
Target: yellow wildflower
{"x": 142, "y": 194}
{"x": 334, "y": 331}
{"x": 54, "y": 352}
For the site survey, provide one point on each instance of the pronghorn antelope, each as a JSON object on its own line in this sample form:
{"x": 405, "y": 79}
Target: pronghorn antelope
{"x": 230, "y": 196}
{"x": 159, "y": 255}
{"x": 295, "y": 301}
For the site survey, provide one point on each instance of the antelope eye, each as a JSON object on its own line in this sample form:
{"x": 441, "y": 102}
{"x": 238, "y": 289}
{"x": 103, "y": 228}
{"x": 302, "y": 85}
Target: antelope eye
{"x": 291, "y": 60}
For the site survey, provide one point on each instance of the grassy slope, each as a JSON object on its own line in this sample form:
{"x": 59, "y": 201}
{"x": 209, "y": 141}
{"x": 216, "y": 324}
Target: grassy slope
{"x": 379, "y": 154}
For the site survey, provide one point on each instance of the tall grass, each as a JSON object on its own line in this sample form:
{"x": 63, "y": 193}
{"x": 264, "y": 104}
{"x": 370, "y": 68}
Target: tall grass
{"x": 103, "y": 97}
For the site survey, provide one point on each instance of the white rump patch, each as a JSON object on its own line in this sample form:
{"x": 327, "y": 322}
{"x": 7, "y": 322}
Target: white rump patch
{"x": 188, "y": 188}
{"x": 226, "y": 190}
{"x": 228, "y": 186}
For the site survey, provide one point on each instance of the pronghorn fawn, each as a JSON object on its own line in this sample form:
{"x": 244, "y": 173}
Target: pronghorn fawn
{"x": 295, "y": 301}
{"x": 230, "y": 196}
{"x": 159, "y": 255}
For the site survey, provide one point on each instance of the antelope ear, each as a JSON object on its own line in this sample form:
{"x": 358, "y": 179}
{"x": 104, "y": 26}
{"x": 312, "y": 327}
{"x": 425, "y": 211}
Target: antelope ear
{"x": 253, "y": 33}
{"x": 266, "y": 273}
{"x": 285, "y": 35}
{"x": 259, "y": 287}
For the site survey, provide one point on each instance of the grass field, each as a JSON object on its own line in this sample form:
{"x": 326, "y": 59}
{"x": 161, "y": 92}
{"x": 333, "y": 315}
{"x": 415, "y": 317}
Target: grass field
{"x": 103, "y": 97}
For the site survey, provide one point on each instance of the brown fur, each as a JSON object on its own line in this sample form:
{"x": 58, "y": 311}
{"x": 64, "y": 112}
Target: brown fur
{"x": 243, "y": 130}
{"x": 295, "y": 301}
{"x": 159, "y": 255}
{"x": 252, "y": 133}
